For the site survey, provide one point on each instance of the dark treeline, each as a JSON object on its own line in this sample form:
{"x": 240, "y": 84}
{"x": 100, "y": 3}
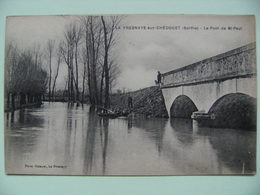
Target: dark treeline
{"x": 85, "y": 51}
{"x": 25, "y": 79}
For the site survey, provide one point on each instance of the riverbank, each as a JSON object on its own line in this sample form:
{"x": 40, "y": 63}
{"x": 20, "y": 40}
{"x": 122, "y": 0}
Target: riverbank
{"x": 147, "y": 102}
{"x": 30, "y": 105}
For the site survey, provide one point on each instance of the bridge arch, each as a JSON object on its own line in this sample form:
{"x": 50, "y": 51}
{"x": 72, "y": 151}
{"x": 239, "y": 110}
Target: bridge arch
{"x": 234, "y": 110}
{"x": 182, "y": 107}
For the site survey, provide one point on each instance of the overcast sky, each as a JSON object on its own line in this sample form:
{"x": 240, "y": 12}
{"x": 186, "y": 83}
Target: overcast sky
{"x": 142, "y": 52}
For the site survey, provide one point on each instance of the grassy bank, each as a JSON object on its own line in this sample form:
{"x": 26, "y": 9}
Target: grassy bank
{"x": 147, "y": 102}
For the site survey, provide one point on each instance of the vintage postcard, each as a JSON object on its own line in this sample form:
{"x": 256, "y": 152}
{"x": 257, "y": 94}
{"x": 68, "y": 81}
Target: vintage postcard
{"x": 130, "y": 95}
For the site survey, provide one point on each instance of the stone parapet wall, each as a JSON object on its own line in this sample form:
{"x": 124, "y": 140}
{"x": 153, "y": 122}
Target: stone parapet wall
{"x": 240, "y": 62}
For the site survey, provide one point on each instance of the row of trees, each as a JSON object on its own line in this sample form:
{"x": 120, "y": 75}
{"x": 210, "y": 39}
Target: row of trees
{"x": 25, "y": 79}
{"x": 87, "y": 47}
{"x": 85, "y": 51}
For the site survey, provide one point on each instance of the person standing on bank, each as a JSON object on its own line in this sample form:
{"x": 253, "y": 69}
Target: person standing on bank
{"x": 159, "y": 78}
{"x": 130, "y": 102}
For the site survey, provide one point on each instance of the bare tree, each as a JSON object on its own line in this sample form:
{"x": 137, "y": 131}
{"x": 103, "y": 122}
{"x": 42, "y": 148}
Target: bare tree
{"x": 85, "y": 23}
{"x": 108, "y": 33}
{"x": 50, "y": 49}
{"x": 95, "y": 38}
{"x": 102, "y": 85}
{"x": 56, "y": 74}
{"x": 92, "y": 38}
{"x": 84, "y": 61}
{"x": 114, "y": 72}
{"x": 67, "y": 51}
{"x": 37, "y": 54}
{"x": 78, "y": 36}
{"x": 70, "y": 51}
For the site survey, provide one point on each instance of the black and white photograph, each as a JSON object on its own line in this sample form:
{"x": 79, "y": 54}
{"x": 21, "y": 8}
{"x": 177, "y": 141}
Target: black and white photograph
{"x": 130, "y": 95}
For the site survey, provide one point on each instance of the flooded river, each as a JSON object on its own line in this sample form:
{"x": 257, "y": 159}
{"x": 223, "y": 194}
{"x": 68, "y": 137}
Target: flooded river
{"x": 67, "y": 140}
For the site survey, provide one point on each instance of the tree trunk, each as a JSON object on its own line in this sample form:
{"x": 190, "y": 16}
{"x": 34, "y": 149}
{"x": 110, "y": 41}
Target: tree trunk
{"x": 107, "y": 98}
{"x": 69, "y": 94}
{"x": 71, "y": 86}
{"x": 101, "y": 87}
{"x": 83, "y": 83}
{"x": 94, "y": 73}
{"x": 71, "y": 75}
{"x": 8, "y": 101}
{"x": 55, "y": 78}
{"x": 50, "y": 79}
{"x": 77, "y": 73}
{"x": 13, "y": 101}
{"x": 89, "y": 85}
{"x": 88, "y": 68}
{"x": 23, "y": 99}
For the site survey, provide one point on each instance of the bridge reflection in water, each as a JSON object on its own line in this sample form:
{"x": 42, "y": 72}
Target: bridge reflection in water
{"x": 78, "y": 142}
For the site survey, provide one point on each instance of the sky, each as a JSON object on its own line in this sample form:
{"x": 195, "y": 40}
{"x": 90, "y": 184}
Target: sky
{"x": 147, "y": 43}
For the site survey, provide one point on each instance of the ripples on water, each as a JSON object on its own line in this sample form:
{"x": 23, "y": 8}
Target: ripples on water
{"x": 58, "y": 138}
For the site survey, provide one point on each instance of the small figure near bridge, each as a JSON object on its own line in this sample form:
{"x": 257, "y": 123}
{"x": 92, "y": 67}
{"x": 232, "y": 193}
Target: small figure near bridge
{"x": 130, "y": 102}
{"x": 159, "y": 78}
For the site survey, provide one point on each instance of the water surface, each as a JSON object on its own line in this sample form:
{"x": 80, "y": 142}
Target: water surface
{"x": 63, "y": 139}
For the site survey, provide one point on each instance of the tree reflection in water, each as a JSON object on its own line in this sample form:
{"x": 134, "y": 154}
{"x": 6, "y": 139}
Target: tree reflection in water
{"x": 23, "y": 131}
{"x": 154, "y": 128}
{"x": 104, "y": 141}
{"x": 95, "y": 124}
{"x": 90, "y": 140}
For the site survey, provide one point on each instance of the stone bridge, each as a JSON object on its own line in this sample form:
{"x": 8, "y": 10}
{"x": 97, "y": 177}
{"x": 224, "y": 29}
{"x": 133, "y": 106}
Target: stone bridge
{"x": 223, "y": 83}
